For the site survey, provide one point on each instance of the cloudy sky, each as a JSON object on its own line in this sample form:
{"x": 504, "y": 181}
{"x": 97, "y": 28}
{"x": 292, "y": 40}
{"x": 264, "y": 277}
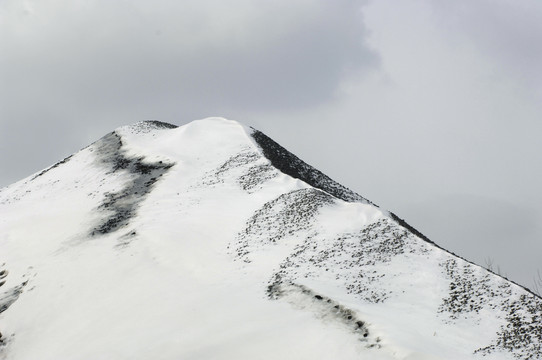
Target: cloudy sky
{"x": 431, "y": 109}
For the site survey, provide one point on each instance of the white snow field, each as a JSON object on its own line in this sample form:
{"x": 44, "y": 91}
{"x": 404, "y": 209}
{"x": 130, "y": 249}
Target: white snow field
{"x": 210, "y": 241}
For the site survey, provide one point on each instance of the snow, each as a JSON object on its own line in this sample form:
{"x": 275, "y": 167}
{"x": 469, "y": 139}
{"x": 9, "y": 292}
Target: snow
{"x": 216, "y": 254}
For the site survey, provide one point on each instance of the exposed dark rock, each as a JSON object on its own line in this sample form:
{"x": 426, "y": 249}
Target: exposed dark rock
{"x": 122, "y": 205}
{"x": 375, "y": 244}
{"x": 323, "y": 305}
{"x": 256, "y": 175}
{"x": 63, "y": 161}
{"x": 3, "y": 275}
{"x": 239, "y": 160}
{"x": 285, "y": 215}
{"x": 10, "y": 296}
{"x": 407, "y": 226}
{"x": 471, "y": 289}
{"x": 150, "y": 125}
{"x": 521, "y": 335}
{"x": 291, "y": 165}
{"x": 256, "y": 170}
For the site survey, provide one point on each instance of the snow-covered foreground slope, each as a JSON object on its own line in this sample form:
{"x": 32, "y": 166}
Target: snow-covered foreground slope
{"x": 210, "y": 241}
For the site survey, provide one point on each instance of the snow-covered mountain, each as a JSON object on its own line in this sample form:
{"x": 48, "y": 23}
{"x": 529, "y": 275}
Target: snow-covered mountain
{"x": 211, "y": 241}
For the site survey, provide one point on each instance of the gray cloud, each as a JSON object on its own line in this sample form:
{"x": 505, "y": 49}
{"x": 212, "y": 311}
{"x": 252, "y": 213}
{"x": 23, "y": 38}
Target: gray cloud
{"x": 276, "y": 54}
{"x": 510, "y": 33}
{"x": 111, "y": 62}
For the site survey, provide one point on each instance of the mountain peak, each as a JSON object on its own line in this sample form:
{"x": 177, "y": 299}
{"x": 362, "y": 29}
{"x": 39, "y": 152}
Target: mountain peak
{"x": 150, "y": 125}
{"x": 210, "y": 240}
{"x": 206, "y": 130}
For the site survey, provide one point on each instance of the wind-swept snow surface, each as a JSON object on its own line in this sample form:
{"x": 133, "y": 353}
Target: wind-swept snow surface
{"x": 210, "y": 241}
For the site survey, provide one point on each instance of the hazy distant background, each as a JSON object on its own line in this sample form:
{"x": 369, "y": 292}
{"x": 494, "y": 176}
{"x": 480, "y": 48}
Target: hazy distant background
{"x": 432, "y": 109}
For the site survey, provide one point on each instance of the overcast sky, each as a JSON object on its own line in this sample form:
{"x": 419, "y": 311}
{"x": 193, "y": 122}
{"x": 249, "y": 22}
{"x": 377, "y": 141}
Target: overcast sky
{"x": 431, "y": 109}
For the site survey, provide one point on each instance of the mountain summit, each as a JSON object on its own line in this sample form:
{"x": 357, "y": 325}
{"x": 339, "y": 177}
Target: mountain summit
{"x": 211, "y": 241}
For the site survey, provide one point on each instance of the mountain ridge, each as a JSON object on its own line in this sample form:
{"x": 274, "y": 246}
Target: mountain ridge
{"x": 203, "y": 207}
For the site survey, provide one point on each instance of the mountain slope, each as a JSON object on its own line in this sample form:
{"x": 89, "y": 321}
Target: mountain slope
{"x": 210, "y": 241}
